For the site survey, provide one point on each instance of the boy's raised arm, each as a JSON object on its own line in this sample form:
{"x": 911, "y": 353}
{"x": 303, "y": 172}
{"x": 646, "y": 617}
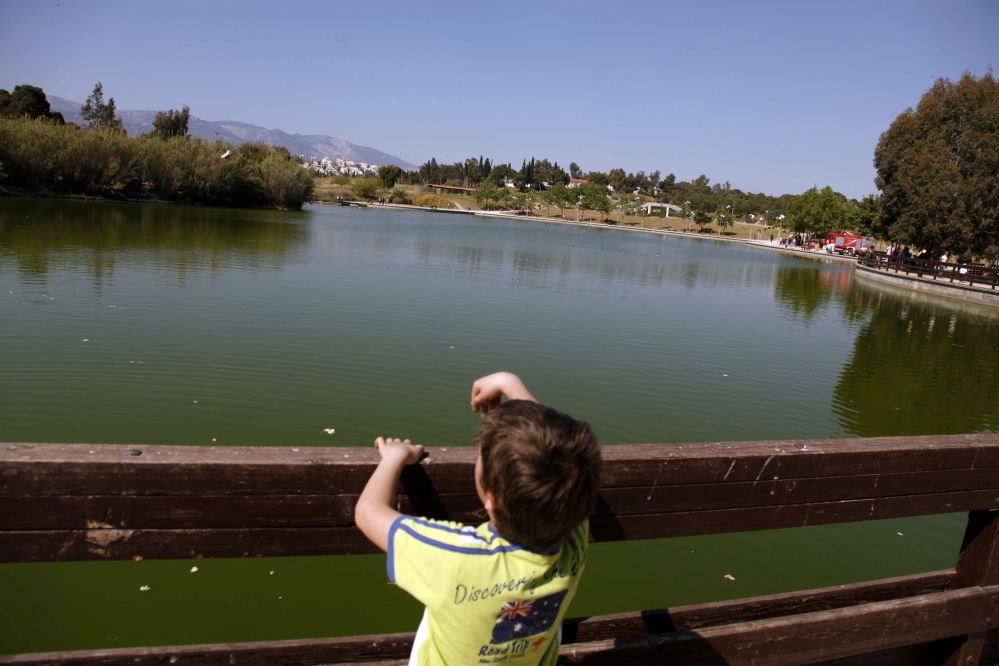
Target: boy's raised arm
{"x": 487, "y": 391}
{"x": 373, "y": 513}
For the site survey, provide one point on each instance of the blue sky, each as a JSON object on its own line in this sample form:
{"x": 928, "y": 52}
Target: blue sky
{"x": 771, "y": 96}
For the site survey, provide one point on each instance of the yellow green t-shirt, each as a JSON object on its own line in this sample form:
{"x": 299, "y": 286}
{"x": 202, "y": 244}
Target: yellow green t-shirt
{"x": 488, "y": 600}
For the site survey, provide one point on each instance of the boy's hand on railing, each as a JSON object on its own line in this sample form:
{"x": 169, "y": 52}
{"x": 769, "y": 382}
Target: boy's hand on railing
{"x": 489, "y": 390}
{"x": 401, "y": 450}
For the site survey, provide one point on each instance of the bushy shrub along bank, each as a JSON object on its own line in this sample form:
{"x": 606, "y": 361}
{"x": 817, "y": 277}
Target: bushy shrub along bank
{"x": 40, "y": 156}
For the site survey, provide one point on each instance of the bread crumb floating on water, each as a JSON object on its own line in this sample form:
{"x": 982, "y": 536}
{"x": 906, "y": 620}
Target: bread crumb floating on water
{"x": 899, "y": 533}
{"x": 85, "y": 340}
{"x": 270, "y": 573}
{"x": 329, "y": 431}
{"x": 729, "y": 577}
{"x": 144, "y": 588}
{"x": 194, "y": 569}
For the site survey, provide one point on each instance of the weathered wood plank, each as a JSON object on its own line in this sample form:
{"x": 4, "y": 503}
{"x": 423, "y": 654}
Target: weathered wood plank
{"x": 277, "y": 510}
{"x": 696, "y": 616}
{"x": 85, "y": 469}
{"x": 111, "y": 543}
{"x": 689, "y": 523}
{"x": 806, "y": 637}
{"x": 212, "y": 511}
{"x": 666, "y": 497}
{"x": 977, "y": 564}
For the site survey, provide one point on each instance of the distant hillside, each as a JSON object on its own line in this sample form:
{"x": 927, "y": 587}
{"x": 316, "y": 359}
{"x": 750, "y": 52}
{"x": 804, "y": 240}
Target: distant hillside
{"x": 319, "y": 145}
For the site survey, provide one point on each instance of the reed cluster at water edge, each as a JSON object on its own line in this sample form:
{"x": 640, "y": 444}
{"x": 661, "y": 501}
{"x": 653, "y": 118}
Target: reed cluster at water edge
{"x": 39, "y": 156}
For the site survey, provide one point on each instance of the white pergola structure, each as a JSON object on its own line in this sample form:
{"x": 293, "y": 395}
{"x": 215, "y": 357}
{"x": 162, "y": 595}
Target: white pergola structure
{"x": 648, "y": 206}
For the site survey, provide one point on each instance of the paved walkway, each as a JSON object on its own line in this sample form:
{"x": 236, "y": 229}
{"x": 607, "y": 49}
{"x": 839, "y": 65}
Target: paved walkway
{"x": 801, "y": 252}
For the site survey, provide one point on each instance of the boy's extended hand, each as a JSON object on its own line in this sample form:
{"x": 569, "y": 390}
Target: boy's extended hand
{"x": 373, "y": 512}
{"x": 487, "y": 391}
{"x": 390, "y": 447}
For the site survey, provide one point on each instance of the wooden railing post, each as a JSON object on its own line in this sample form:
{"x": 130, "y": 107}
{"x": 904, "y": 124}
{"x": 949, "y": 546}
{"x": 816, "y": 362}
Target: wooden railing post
{"x": 977, "y": 564}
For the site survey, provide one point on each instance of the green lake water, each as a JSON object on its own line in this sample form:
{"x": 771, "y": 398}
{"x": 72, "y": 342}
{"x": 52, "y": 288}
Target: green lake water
{"x": 173, "y": 325}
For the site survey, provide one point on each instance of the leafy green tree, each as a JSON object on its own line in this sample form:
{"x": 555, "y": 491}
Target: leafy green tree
{"x": 27, "y": 101}
{"x": 867, "y": 217}
{"x": 399, "y": 196}
{"x": 818, "y": 211}
{"x": 702, "y": 219}
{"x": 627, "y": 204}
{"x": 522, "y": 201}
{"x": 365, "y": 188}
{"x": 99, "y": 114}
{"x": 168, "y": 124}
{"x": 575, "y": 171}
{"x": 593, "y": 196}
{"x": 937, "y": 165}
{"x": 686, "y": 212}
{"x": 254, "y": 151}
{"x": 598, "y": 177}
{"x": 667, "y": 184}
{"x": 487, "y": 193}
{"x": 501, "y": 172}
{"x": 723, "y": 218}
{"x": 561, "y": 197}
{"x": 616, "y": 178}
{"x": 389, "y": 175}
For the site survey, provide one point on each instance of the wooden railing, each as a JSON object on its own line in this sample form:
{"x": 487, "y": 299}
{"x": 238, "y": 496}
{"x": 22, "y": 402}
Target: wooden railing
{"x": 79, "y": 502}
{"x": 974, "y": 275}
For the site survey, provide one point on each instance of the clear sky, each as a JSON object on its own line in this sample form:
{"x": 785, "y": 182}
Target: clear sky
{"x": 771, "y": 96}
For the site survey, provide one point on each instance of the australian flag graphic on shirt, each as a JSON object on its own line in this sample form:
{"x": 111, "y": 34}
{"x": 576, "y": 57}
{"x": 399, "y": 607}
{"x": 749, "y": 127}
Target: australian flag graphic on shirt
{"x": 526, "y": 617}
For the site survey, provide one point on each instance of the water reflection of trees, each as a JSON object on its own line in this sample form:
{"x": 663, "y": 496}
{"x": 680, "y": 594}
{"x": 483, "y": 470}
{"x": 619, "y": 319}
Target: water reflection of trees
{"x": 41, "y": 234}
{"x": 558, "y": 267}
{"x": 919, "y": 368}
{"x": 802, "y": 292}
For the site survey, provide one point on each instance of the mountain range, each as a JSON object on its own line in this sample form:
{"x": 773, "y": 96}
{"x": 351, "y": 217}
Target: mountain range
{"x": 236, "y": 133}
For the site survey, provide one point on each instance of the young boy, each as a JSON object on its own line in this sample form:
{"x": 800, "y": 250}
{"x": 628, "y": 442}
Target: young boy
{"x": 497, "y": 592}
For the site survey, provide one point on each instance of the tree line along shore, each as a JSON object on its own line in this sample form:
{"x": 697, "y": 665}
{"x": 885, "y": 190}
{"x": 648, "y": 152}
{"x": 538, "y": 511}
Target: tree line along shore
{"x": 936, "y": 165}
{"x": 41, "y": 154}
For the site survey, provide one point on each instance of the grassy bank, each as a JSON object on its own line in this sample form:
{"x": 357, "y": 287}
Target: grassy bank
{"x": 41, "y": 157}
{"x": 327, "y": 189}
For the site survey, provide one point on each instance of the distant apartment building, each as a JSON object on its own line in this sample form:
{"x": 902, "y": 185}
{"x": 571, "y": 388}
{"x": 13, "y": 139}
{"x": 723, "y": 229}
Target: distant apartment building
{"x": 338, "y": 167}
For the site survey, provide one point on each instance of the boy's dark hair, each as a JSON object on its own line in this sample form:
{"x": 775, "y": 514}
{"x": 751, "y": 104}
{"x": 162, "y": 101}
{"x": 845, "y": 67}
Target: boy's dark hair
{"x": 544, "y": 469}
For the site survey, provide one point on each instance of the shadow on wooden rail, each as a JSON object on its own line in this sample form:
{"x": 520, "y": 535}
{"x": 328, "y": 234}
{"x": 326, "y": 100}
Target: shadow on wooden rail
{"x": 81, "y": 501}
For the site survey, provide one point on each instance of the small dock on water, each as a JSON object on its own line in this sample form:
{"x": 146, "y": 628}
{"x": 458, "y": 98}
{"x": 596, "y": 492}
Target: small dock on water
{"x": 89, "y": 502}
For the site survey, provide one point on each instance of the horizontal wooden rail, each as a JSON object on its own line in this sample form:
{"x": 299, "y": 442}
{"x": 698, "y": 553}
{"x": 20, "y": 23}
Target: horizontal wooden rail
{"x": 79, "y": 501}
{"x": 805, "y": 638}
{"x": 581, "y": 637}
